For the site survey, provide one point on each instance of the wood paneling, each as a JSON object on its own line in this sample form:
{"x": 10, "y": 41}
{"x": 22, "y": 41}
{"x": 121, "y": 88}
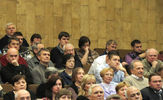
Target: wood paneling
{"x": 101, "y": 20}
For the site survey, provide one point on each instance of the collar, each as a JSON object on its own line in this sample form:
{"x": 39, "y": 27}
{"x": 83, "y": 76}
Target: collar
{"x": 134, "y": 76}
{"x": 60, "y": 49}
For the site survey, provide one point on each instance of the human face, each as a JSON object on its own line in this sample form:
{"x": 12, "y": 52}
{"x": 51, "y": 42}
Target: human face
{"x": 156, "y": 82}
{"x": 20, "y": 39}
{"x": 112, "y": 47}
{"x": 39, "y": 47}
{"x": 14, "y": 44}
{"x": 70, "y": 63}
{"x": 80, "y": 75}
{"x": 152, "y": 56}
{"x": 69, "y": 50}
{"x": 10, "y": 29}
{"x": 64, "y": 40}
{"x": 24, "y": 96}
{"x": 86, "y": 45}
{"x": 12, "y": 55}
{"x": 44, "y": 57}
{"x": 97, "y": 93}
{"x": 134, "y": 94}
{"x": 36, "y": 40}
{"x": 138, "y": 69}
{"x": 114, "y": 62}
{"x": 108, "y": 76}
{"x": 65, "y": 97}
{"x": 20, "y": 84}
{"x": 138, "y": 47}
{"x": 57, "y": 86}
{"x": 89, "y": 83}
{"x": 122, "y": 92}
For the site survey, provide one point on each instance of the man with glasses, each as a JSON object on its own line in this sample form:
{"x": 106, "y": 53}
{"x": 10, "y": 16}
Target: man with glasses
{"x": 134, "y": 94}
{"x": 137, "y": 53}
{"x": 154, "y": 91}
{"x": 151, "y": 62}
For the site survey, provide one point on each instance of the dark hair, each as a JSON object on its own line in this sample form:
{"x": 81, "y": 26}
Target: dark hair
{"x": 35, "y": 35}
{"x": 16, "y": 78}
{"x": 66, "y": 58}
{"x": 50, "y": 83}
{"x": 61, "y": 34}
{"x": 75, "y": 72}
{"x": 135, "y": 42}
{"x": 151, "y": 75}
{"x": 83, "y": 40}
{"x": 42, "y": 49}
{"x": 13, "y": 38}
{"x": 17, "y": 34}
{"x": 111, "y": 53}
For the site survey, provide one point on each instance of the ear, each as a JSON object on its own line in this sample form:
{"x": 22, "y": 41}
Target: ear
{"x": 38, "y": 57}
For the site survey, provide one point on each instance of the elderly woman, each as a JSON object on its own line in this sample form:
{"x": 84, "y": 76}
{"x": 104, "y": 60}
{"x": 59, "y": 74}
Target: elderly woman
{"x": 18, "y": 82}
{"x": 64, "y": 94}
{"x": 87, "y": 81}
{"x": 108, "y": 85}
{"x": 121, "y": 90}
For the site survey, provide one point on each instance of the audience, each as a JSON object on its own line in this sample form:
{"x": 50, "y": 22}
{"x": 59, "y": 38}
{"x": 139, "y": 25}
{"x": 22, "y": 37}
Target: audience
{"x": 85, "y": 54}
{"x": 114, "y": 97}
{"x": 107, "y": 84}
{"x": 22, "y": 95}
{"x": 35, "y": 38}
{"x": 64, "y": 94}
{"x": 134, "y": 94}
{"x": 110, "y": 45}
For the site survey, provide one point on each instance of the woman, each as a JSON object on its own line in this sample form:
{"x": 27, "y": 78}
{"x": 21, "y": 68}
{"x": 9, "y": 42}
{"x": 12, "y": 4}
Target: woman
{"x": 77, "y": 77}
{"x": 108, "y": 85}
{"x": 69, "y": 63}
{"x": 64, "y": 94}
{"x": 121, "y": 90}
{"x": 50, "y": 89}
{"x": 18, "y": 82}
{"x": 87, "y": 81}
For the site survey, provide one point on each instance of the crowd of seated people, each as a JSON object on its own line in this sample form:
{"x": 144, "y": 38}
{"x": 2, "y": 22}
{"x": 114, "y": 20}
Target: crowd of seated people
{"x": 60, "y": 73}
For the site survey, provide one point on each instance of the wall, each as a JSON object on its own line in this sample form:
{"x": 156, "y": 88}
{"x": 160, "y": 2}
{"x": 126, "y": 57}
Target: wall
{"x": 101, "y": 20}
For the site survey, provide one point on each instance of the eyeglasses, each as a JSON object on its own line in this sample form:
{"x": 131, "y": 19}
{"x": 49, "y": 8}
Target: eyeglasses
{"x": 133, "y": 95}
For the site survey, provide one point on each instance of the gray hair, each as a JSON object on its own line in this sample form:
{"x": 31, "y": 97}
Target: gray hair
{"x": 151, "y": 49}
{"x": 49, "y": 71}
{"x": 91, "y": 88}
{"x": 17, "y": 94}
{"x": 34, "y": 46}
{"x": 109, "y": 42}
{"x": 66, "y": 45}
{"x": 133, "y": 62}
{"x": 113, "y": 96}
{"x": 8, "y": 24}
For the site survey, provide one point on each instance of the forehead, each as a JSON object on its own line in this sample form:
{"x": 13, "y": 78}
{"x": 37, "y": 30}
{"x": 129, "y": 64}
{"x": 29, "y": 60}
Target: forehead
{"x": 11, "y": 25}
{"x": 40, "y": 45}
{"x": 19, "y": 36}
{"x": 138, "y": 64}
{"x": 133, "y": 90}
{"x": 155, "y": 78}
{"x": 137, "y": 44}
{"x": 152, "y": 52}
{"x": 45, "y": 52}
{"x": 12, "y": 52}
{"x": 115, "y": 57}
{"x": 69, "y": 47}
{"x": 97, "y": 88}
{"x": 14, "y": 41}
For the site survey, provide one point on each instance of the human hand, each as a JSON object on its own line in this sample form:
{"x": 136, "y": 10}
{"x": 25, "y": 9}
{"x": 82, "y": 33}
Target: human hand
{"x": 15, "y": 63}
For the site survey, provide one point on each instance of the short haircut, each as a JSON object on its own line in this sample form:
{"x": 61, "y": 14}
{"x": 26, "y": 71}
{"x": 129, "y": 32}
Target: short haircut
{"x": 17, "y": 34}
{"x": 83, "y": 40}
{"x": 91, "y": 88}
{"x": 135, "y": 42}
{"x": 17, "y": 94}
{"x": 66, "y": 58}
{"x": 67, "y": 45}
{"x": 42, "y": 49}
{"x": 105, "y": 70}
{"x": 120, "y": 85}
{"x": 113, "y": 96}
{"x": 16, "y": 78}
{"x": 62, "y": 92}
{"x": 35, "y": 35}
{"x": 112, "y": 53}
{"x": 75, "y": 72}
{"x": 61, "y": 34}
{"x": 133, "y": 62}
{"x": 12, "y": 38}
{"x": 49, "y": 71}
{"x": 109, "y": 42}
{"x": 151, "y": 75}
{"x": 8, "y": 24}
{"x": 151, "y": 49}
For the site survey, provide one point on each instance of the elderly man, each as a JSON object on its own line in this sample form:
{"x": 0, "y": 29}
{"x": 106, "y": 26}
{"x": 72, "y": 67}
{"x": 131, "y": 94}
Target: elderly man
{"x": 110, "y": 45}
{"x": 154, "y": 91}
{"x": 38, "y": 72}
{"x": 136, "y": 54}
{"x": 134, "y": 94}
{"x": 136, "y": 78}
{"x": 22, "y": 95}
{"x": 151, "y": 63}
{"x": 13, "y": 67}
{"x": 96, "y": 92}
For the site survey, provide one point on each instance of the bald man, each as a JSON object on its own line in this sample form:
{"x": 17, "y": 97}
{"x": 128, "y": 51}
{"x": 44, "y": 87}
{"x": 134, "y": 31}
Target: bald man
{"x": 13, "y": 67}
{"x": 151, "y": 62}
{"x": 133, "y": 93}
{"x": 22, "y": 95}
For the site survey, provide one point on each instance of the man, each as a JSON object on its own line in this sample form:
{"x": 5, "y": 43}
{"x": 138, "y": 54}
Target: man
{"x": 38, "y": 72}
{"x": 136, "y": 78}
{"x": 136, "y": 54}
{"x": 10, "y": 29}
{"x": 154, "y": 91}
{"x": 134, "y": 94}
{"x": 22, "y": 95}
{"x": 110, "y": 45}
{"x": 34, "y": 61}
{"x": 96, "y": 92}
{"x": 112, "y": 60}
{"x": 12, "y": 43}
{"x": 114, "y": 97}
{"x": 57, "y": 52}
{"x": 35, "y": 38}
{"x": 151, "y": 62}
{"x": 13, "y": 67}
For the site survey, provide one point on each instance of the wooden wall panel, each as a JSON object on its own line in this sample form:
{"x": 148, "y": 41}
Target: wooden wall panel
{"x": 101, "y": 20}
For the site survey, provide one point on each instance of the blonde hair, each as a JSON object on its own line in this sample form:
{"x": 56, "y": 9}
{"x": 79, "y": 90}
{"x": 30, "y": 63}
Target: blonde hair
{"x": 105, "y": 70}
{"x": 85, "y": 80}
{"x": 120, "y": 85}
